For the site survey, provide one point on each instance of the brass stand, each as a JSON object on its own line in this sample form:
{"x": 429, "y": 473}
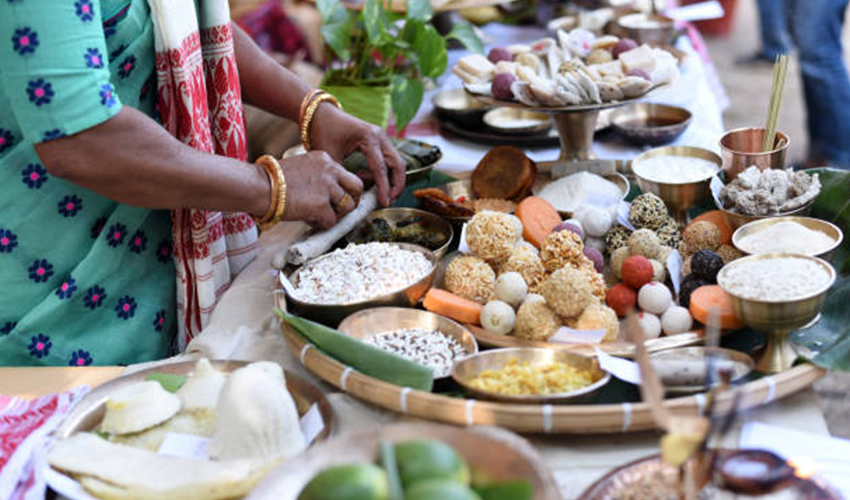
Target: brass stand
{"x": 575, "y": 130}
{"x": 778, "y": 354}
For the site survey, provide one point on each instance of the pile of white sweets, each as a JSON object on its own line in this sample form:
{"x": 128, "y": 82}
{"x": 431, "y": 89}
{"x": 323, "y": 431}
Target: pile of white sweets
{"x": 670, "y": 169}
{"x": 431, "y": 348}
{"x": 573, "y": 191}
{"x": 786, "y": 237}
{"x": 360, "y": 272}
{"x": 775, "y": 280}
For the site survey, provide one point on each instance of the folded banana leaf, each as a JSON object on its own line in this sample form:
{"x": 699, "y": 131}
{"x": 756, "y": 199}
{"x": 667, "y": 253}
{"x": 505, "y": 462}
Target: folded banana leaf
{"x": 415, "y": 154}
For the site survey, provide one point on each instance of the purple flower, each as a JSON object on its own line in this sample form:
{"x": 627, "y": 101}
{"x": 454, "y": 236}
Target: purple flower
{"x": 41, "y": 270}
{"x": 80, "y": 358}
{"x": 40, "y": 346}
{"x": 34, "y": 176}
{"x": 139, "y": 242}
{"x": 97, "y": 227}
{"x": 40, "y": 91}
{"x": 126, "y": 307}
{"x": 70, "y": 205}
{"x": 8, "y": 240}
{"x": 116, "y": 234}
{"x": 94, "y": 59}
{"x": 56, "y": 133}
{"x": 159, "y": 320}
{"x": 67, "y": 289}
{"x": 127, "y": 66}
{"x": 6, "y": 140}
{"x": 85, "y": 10}
{"x": 107, "y": 95}
{"x": 163, "y": 252}
{"x": 7, "y": 327}
{"x": 94, "y": 297}
{"x": 24, "y": 41}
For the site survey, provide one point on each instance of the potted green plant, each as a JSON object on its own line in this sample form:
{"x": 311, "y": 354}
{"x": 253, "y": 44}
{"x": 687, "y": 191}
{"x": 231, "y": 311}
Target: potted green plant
{"x": 383, "y": 58}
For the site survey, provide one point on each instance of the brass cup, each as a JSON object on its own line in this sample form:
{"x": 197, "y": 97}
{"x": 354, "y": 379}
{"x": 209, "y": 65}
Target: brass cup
{"x": 680, "y": 197}
{"x": 742, "y": 148}
{"x": 777, "y": 318}
{"x": 652, "y": 29}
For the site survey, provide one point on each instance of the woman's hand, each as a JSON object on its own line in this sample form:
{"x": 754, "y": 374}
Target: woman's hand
{"x": 319, "y": 191}
{"x": 340, "y": 134}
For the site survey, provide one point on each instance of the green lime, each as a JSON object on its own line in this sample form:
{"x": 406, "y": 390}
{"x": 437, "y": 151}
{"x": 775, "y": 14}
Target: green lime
{"x": 440, "y": 489}
{"x": 425, "y": 460}
{"x": 348, "y": 482}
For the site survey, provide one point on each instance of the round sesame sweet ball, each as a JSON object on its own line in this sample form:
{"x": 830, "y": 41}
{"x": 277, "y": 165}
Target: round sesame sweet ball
{"x": 599, "y": 317}
{"x": 655, "y": 298}
{"x": 535, "y": 321}
{"x": 669, "y": 235}
{"x": 511, "y": 288}
{"x": 616, "y": 237}
{"x": 472, "y": 278}
{"x": 618, "y": 257}
{"x": 699, "y": 235}
{"x": 644, "y": 242}
{"x": 498, "y": 317}
{"x": 706, "y": 264}
{"x": 528, "y": 264}
{"x": 568, "y": 292}
{"x": 621, "y": 299}
{"x": 729, "y": 253}
{"x": 675, "y": 320}
{"x": 491, "y": 235}
{"x": 648, "y": 211}
{"x": 560, "y": 249}
{"x": 637, "y": 271}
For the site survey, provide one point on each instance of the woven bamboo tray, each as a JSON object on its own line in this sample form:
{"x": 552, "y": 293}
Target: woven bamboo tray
{"x": 556, "y": 419}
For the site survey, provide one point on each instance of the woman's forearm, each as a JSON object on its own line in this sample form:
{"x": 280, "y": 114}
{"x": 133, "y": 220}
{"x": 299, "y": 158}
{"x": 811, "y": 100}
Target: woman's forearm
{"x": 131, "y": 159}
{"x": 265, "y": 83}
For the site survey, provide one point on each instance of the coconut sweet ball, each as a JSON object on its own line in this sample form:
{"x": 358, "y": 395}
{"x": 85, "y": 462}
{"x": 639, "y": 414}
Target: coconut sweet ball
{"x": 698, "y": 236}
{"x": 472, "y": 278}
{"x": 535, "y": 321}
{"x": 568, "y": 292}
{"x": 648, "y": 211}
{"x": 562, "y": 248}
{"x": 527, "y": 263}
{"x": 599, "y": 317}
{"x": 492, "y": 235}
{"x": 616, "y": 237}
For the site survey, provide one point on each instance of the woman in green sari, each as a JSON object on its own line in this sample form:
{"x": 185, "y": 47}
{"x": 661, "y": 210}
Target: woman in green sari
{"x": 88, "y": 176}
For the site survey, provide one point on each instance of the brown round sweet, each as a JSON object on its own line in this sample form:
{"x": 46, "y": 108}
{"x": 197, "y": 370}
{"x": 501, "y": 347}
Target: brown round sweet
{"x": 568, "y": 292}
{"x": 560, "y": 249}
{"x": 729, "y": 253}
{"x": 471, "y": 277}
{"x": 599, "y": 317}
{"x": 698, "y": 236}
{"x": 492, "y": 235}
{"x": 535, "y": 321}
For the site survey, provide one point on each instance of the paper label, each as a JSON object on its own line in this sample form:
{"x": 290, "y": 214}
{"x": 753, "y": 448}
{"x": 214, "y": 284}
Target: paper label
{"x": 600, "y": 200}
{"x": 462, "y": 246}
{"x": 180, "y": 445}
{"x": 674, "y": 265}
{"x": 566, "y": 335}
{"x": 623, "y": 369}
{"x": 716, "y": 186}
{"x": 623, "y": 215}
{"x": 312, "y": 424}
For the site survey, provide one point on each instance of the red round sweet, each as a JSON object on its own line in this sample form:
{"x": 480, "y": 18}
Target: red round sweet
{"x": 621, "y": 299}
{"x": 637, "y": 271}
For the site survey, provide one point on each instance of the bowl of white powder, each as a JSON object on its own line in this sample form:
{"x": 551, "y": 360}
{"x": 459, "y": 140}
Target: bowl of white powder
{"x": 797, "y": 235}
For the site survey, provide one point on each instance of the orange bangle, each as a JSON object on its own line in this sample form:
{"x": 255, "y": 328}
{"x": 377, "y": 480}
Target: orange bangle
{"x": 307, "y": 120}
{"x": 308, "y": 98}
{"x": 277, "y": 204}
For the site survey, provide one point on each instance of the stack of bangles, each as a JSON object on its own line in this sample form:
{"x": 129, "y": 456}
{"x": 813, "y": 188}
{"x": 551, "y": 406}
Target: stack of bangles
{"x": 277, "y": 202}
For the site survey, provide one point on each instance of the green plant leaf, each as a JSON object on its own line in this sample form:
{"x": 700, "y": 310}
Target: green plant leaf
{"x": 433, "y": 57}
{"x": 375, "y": 21}
{"x": 419, "y": 9}
{"x": 338, "y": 38}
{"x": 406, "y": 98}
{"x": 465, "y": 34}
{"x": 332, "y": 11}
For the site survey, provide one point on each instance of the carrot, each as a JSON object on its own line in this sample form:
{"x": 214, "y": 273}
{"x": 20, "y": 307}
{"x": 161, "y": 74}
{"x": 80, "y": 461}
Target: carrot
{"x": 706, "y": 298}
{"x": 717, "y": 218}
{"x": 538, "y": 218}
{"x": 453, "y": 306}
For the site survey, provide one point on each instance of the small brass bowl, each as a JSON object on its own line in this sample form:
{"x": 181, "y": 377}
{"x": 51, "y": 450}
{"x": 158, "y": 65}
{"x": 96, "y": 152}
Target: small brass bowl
{"x": 777, "y": 318}
{"x": 742, "y": 148}
{"x": 332, "y": 314}
{"x": 517, "y": 121}
{"x": 468, "y": 368}
{"x": 457, "y": 106}
{"x": 823, "y": 226}
{"x": 429, "y": 221}
{"x": 368, "y": 323}
{"x": 736, "y": 220}
{"x": 680, "y": 197}
{"x": 652, "y": 29}
{"x": 650, "y": 124}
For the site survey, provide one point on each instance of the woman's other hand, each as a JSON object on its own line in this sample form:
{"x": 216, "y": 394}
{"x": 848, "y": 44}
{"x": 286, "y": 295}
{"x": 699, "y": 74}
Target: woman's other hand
{"x": 340, "y": 134}
{"x": 319, "y": 191}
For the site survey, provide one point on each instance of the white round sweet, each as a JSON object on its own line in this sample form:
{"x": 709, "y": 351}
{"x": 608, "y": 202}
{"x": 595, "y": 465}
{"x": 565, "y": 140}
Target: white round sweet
{"x": 654, "y": 297}
{"x": 498, "y": 317}
{"x": 533, "y": 297}
{"x": 596, "y": 221}
{"x": 675, "y": 320}
{"x": 511, "y": 288}
{"x": 650, "y": 324}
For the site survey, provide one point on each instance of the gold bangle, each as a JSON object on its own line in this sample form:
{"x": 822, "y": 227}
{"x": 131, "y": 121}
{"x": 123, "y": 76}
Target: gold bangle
{"x": 308, "y": 116}
{"x": 308, "y": 98}
{"x": 278, "y": 192}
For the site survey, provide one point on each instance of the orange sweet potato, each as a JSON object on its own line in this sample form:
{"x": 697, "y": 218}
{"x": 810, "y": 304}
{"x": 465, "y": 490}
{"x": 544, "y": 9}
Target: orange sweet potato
{"x": 453, "y": 306}
{"x": 712, "y": 297}
{"x": 538, "y": 218}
